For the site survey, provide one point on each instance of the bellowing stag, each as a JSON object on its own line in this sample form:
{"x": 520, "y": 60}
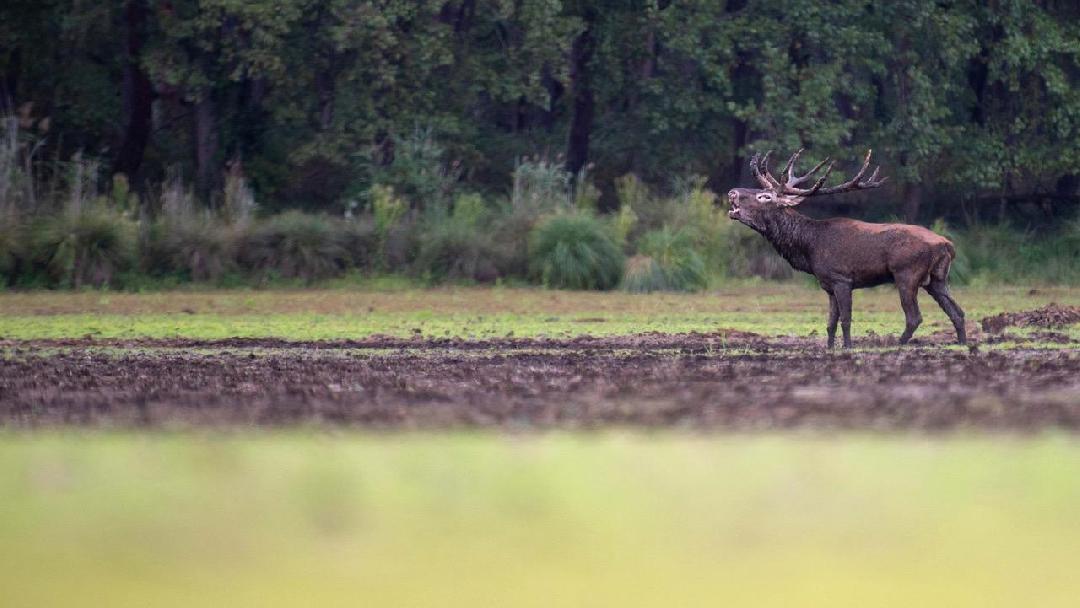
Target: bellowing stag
{"x": 845, "y": 254}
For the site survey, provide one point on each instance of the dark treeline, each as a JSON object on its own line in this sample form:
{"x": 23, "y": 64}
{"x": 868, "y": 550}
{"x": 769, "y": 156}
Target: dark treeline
{"x": 972, "y": 107}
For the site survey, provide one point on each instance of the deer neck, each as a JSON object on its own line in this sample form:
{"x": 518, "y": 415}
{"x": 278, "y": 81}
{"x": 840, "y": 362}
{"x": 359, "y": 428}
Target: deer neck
{"x": 791, "y": 234}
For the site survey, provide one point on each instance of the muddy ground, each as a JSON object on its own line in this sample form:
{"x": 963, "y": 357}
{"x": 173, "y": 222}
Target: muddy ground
{"x": 720, "y": 381}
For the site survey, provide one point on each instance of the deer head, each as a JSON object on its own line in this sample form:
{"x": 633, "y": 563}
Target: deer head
{"x": 748, "y": 204}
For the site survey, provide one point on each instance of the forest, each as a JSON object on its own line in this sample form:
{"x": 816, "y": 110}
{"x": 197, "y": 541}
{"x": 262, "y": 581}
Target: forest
{"x": 570, "y": 143}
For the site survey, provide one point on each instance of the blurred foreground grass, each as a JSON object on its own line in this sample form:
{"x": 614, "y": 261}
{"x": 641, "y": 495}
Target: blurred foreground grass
{"x": 768, "y": 309}
{"x": 553, "y": 520}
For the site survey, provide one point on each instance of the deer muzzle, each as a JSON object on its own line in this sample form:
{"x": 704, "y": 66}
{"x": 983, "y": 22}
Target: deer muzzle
{"x": 733, "y": 199}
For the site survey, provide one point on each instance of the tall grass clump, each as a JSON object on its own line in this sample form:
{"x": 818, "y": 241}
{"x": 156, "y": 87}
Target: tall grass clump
{"x": 90, "y": 246}
{"x": 198, "y": 248}
{"x": 295, "y": 245}
{"x": 18, "y": 153}
{"x": 667, "y": 261}
{"x": 190, "y": 242}
{"x": 10, "y": 243}
{"x": 575, "y": 251}
{"x": 541, "y": 186}
{"x": 458, "y": 245}
{"x": 1000, "y": 253}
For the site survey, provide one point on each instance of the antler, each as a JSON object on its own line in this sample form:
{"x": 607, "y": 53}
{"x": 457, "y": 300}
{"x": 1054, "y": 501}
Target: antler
{"x": 857, "y": 183}
{"x": 760, "y": 167}
{"x": 792, "y": 185}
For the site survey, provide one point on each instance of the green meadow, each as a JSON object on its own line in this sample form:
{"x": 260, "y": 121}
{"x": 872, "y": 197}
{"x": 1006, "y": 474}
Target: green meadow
{"x": 768, "y": 309}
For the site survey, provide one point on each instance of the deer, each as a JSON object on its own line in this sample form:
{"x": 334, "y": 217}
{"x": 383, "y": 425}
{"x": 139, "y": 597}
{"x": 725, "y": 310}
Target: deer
{"x": 845, "y": 254}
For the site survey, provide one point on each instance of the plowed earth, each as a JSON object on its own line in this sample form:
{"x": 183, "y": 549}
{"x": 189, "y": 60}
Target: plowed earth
{"x": 722, "y": 381}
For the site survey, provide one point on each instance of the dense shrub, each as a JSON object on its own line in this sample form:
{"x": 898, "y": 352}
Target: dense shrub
{"x": 361, "y": 242}
{"x": 89, "y": 247}
{"x": 10, "y": 241}
{"x": 194, "y": 249}
{"x": 1002, "y": 254}
{"x": 669, "y": 263}
{"x": 458, "y": 245}
{"x": 456, "y": 251}
{"x": 575, "y": 252}
{"x": 295, "y": 245}
{"x": 510, "y": 238}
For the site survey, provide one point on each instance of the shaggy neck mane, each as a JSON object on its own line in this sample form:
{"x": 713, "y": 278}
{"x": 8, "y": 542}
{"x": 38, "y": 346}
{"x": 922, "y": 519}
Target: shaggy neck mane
{"x": 791, "y": 234}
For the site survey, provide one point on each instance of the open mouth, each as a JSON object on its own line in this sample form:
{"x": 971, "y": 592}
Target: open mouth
{"x": 733, "y": 213}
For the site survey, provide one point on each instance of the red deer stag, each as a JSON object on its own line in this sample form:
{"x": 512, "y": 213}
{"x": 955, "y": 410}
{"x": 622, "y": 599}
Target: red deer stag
{"x": 845, "y": 254}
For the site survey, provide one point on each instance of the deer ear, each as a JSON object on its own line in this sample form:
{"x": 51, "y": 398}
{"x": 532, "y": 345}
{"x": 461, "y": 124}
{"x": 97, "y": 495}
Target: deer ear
{"x": 787, "y": 200}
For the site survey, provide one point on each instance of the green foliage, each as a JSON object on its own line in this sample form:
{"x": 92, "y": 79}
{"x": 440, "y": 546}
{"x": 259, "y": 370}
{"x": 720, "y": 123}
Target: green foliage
{"x": 418, "y": 171}
{"x": 540, "y": 186}
{"x": 668, "y": 262}
{"x": 201, "y": 249}
{"x": 10, "y": 245}
{"x": 643, "y": 275}
{"x": 459, "y": 246}
{"x": 89, "y": 247}
{"x": 387, "y": 209}
{"x": 295, "y": 245}
{"x": 455, "y": 250}
{"x": 623, "y": 224}
{"x": 575, "y": 252}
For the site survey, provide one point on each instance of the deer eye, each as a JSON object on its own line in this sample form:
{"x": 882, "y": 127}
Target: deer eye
{"x": 764, "y": 196}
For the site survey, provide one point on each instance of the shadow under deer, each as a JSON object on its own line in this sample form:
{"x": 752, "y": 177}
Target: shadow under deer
{"x": 845, "y": 254}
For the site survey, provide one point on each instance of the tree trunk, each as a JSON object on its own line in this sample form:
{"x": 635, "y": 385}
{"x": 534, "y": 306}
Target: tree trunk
{"x": 10, "y": 83}
{"x": 581, "y": 95}
{"x": 206, "y": 143}
{"x": 138, "y": 94}
{"x": 739, "y": 166}
{"x": 913, "y": 194}
{"x": 325, "y": 86}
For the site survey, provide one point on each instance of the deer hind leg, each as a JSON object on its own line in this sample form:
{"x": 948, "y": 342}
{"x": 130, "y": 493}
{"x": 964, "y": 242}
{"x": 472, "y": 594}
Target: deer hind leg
{"x": 909, "y": 301}
{"x": 939, "y": 290}
{"x": 842, "y": 293}
{"x": 834, "y": 317}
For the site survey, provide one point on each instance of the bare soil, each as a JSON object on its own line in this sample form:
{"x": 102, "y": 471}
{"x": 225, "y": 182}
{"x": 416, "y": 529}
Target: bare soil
{"x": 727, "y": 381}
{"x": 1049, "y": 316}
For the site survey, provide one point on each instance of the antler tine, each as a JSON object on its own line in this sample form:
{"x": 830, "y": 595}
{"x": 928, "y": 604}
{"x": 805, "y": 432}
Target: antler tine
{"x": 760, "y": 167}
{"x": 765, "y": 170}
{"x": 873, "y": 180}
{"x": 755, "y": 168}
{"x": 793, "y": 183}
{"x": 790, "y": 168}
{"x": 820, "y": 182}
{"x": 856, "y": 182}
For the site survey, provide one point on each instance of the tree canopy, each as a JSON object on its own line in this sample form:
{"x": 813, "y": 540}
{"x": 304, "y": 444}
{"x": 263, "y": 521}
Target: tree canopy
{"x": 961, "y": 100}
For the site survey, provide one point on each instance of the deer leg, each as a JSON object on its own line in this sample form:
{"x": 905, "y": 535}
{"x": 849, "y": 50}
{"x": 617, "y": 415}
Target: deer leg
{"x": 909, "y": 301}
{"x": 842, "y": 293}
{"x": 834, "y": 316}
{"x": 939, "y": 290}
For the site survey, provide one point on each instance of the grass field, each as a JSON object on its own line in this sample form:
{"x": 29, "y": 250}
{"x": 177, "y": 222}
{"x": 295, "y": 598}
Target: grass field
{"x": 609, "y": 518}
{"x": 477, "y": 312}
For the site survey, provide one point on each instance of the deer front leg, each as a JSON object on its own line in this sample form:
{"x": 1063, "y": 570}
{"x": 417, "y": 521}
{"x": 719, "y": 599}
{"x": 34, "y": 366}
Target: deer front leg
{"x": 842, "y": 293}
{"x": 834, "y": 316}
